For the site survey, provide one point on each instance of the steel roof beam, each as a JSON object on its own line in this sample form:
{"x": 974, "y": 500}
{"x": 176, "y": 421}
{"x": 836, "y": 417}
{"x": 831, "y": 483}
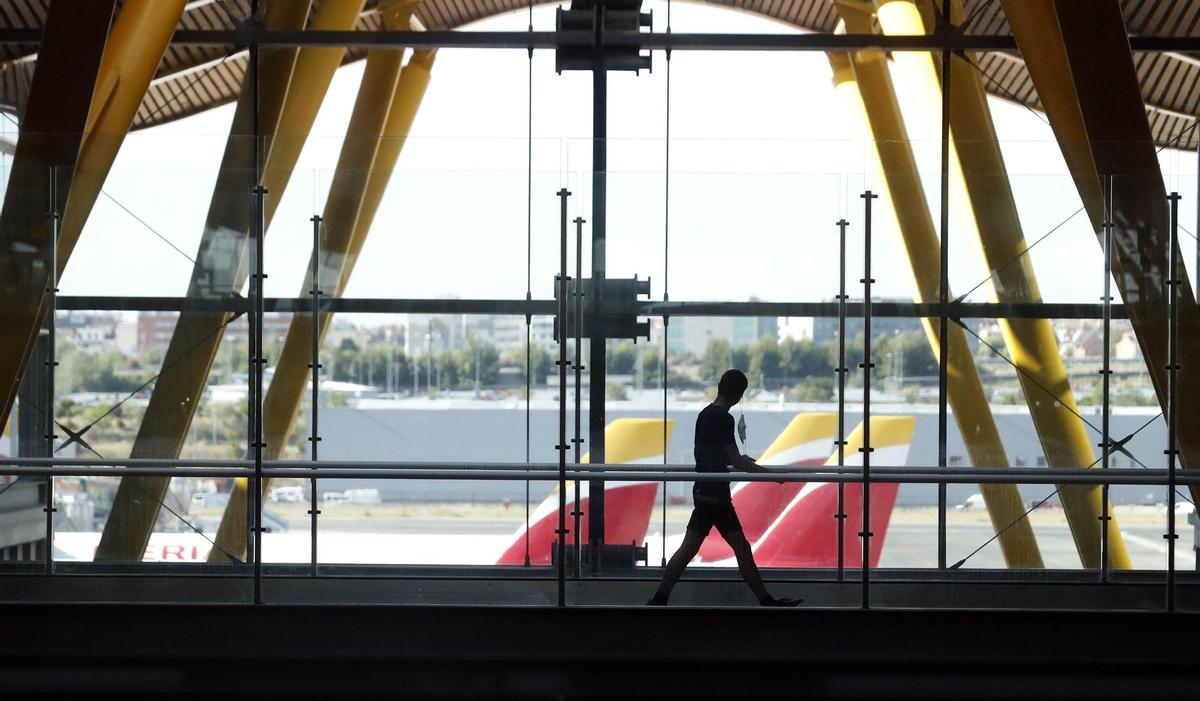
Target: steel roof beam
{"x": 540, "y": 307}
{"x": 197, "y": 335}
{"x": 979, "y": 171}
{"x": 682, "y": 41}
{"x": 1078, "y": 56}
{"x": 72, "y": 44}
{"x": 136, "y": 45}
{"x": 378, "y": 104}
{"x": 866, "y": 76}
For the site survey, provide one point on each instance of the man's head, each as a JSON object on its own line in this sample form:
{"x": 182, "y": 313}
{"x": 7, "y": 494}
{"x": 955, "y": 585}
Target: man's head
{"x": 732, "y": 386}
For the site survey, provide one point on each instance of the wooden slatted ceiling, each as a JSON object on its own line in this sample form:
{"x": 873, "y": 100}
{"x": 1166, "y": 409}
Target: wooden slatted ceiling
{"x": 15, "y": 77}
{"x": 1169, "y": 81}
{"x": 216, "y": 81}
{"x": 192, "y": 79}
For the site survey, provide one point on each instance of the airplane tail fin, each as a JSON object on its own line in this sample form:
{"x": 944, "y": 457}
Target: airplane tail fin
{"x": 807, "y": 440}
{"x": 6, "y": 437}
{"x": 627, "y": 505}
{"x": 805, "y": 533}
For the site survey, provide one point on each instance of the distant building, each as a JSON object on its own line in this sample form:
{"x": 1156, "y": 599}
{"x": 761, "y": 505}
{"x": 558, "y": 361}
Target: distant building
{"x": 508, "y": 332}
{"x": 1127, "y": 348}
{"x": 391, "y": 334}
{"x": 766, "y": 326}
{"x": 1079, "y": 339}
{"x": 439, "y": 332}
{"x": 691, "y": 334}
{"x": 127, "y": 337}
{"x": 797, "y": 328}
{"x": 826, "y": 328}
{"x": 88, "y": 331}
{"x": 155, "y": 329}
{"x": 342, "y": 330}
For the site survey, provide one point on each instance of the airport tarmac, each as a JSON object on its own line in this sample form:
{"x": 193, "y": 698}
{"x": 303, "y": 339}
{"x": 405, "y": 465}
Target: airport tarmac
{"x": 911, "y": 540}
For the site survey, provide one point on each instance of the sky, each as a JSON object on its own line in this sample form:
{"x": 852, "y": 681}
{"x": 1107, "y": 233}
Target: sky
{"x": 763, "y": 162}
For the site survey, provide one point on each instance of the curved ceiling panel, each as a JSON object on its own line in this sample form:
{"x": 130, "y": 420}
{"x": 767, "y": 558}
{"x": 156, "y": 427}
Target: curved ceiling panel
{"x": 192, "y": 79}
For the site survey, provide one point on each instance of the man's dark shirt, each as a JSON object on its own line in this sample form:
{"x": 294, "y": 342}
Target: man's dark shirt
{"x": 714, "y": 431}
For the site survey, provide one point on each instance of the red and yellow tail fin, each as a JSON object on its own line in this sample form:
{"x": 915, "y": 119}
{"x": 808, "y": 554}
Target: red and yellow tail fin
{"x": 805, "y": 533}
{"x": 807, "y": 440}
{"x": 627, "y": 505}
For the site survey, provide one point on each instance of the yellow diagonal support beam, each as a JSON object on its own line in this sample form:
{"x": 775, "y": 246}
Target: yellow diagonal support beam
{"x": 70, "y": 52}
{"x": 135, "y": 45}
{"x": 864, "y": 79}
{"x": 139, "y": 38}
{"x": 1035, "y": 27}
{"x": 1079, "y": 58}
{"x": 315, "y": 67}
{"x": 978, "y": 168}
{"x": 219, "y": 273}
{"x": 358, "y": 163}
{"x": 409, "y": 93}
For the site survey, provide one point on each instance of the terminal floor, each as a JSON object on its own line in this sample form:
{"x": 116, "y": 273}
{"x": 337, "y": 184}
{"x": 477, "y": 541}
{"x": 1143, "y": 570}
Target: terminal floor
{"x": 306, "y": 651}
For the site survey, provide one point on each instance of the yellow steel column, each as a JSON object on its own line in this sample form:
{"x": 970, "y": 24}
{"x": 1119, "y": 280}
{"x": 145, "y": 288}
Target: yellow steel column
{"x": 1079, "y": 57}
{"x": 56, "y": 112}
{"x": 1035, "y": 27}
{"x": 979, "y": 166}
{"x": 219, "y": 273}
{"x": 409, "y": 93}
{"x": 864, "y": 82}
{"x": 356, "y": 163}
{"x": 139, "y": 38}
{"x": 315, "y": 67}
{"x": 136, "y": 44}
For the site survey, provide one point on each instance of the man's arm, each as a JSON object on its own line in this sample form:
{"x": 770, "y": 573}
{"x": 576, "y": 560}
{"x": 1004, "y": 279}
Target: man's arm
{"x": 741, "y": 462}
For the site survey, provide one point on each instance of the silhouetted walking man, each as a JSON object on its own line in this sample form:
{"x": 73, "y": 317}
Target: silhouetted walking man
{"x": 716, "y": 451}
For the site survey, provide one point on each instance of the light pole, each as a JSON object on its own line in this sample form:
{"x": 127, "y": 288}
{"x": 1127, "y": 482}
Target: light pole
{"x": 387, "y": 373}
{"x": 477, "y": 357}
{"x": 429, "y": 354}
{"x": 638, "y": 373}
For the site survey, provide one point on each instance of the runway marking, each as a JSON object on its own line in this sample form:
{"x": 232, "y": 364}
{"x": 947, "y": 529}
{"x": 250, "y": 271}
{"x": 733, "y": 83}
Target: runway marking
{"x": 1145, "y": 542}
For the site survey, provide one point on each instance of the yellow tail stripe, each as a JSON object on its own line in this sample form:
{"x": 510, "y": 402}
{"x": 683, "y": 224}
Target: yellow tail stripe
{"x": 804, "y": 428}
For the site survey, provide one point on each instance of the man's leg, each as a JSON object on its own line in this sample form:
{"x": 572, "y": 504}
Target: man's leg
{"x": 679, "y": 561}
{"x": 749, "y": 569}
{"x": 746, "y": 565}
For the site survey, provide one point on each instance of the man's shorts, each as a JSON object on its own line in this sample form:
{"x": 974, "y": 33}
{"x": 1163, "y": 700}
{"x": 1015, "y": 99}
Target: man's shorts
{"x": 710, "y": 513}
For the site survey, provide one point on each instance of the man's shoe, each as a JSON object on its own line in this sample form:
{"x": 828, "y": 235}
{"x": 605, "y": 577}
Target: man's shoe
{"x": 781, "y": 602}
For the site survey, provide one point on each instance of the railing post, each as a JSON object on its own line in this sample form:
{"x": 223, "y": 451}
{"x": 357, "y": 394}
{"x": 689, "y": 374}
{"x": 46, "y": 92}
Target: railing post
{"x": 1173, "y": 281}
{"x": 663, "y": 379}
{"x": 866, "y": 366}
{"x": 314, "y": 435}
{"x": 55, "y": 218}
{"x": 1106, "y": 377}
{"x": 562, "y": 446}
{"x": 944, "y": 294}
{"x": 257, "y": 279}
{"x": 255, "y": 317}
{"x": 841, "y": 401}
{"x": 577, "y": 365}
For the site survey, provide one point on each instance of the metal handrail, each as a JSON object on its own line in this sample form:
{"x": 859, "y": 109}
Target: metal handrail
{"x": 47, "y": 467}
